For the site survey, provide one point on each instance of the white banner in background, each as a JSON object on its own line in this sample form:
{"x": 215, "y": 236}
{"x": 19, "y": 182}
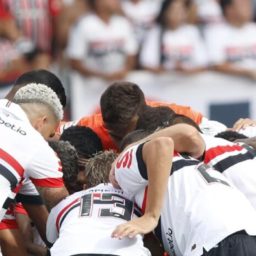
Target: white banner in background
{"x": 198, "y": 91}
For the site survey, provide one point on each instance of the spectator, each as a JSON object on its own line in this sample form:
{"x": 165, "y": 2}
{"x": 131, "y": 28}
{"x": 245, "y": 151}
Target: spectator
{"x": 208, "y": 12}
{"x": 102, "y": 44}
{"x": 232, "y": 46}
{"x": 173, "y": 44}
{"x": 142, "y": 14}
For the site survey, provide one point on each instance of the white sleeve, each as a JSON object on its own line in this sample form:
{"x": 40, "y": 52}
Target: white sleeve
{"x": 211, "y": 127}
{"x": 52, "y": 233}
{"x": 45, "y": 168}
{"x": 28, "y": 188}
{"x": 215, "y": 43}
{"x": 130, "y": 171}
{"x": 77, "y": 44}
{"x": 131, "y": 45}
{"x": 150, "y": 52}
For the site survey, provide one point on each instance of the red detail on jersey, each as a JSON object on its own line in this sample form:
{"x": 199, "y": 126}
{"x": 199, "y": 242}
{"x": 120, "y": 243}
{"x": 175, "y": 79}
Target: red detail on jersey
{"x": 219, "y": 150}
{"x": 61, "y": 213}
{"x": 12, "y": 162}
{"x": 8, "y": 224}
{"x": 50, "y": 182}
{"x": 19, "y": 209}
{"x": 125, "y": 161}
{"x": 144, "y": 203}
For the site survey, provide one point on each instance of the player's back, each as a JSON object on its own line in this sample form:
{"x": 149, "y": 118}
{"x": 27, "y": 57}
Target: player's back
{"x": 236, "y": 161}
{"x": 201, "y": 209}
{"x": 83, "y": 223}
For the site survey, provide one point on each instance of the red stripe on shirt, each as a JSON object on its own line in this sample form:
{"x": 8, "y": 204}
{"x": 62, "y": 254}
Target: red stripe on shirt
{"x": 12, "y": 162}
{"x": 49, "y": 182}
{"x": 62, "y": 212}
{"x": 219, "y": 150}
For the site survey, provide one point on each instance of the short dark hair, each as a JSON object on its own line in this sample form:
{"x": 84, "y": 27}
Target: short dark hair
{"x": 69, "y": 161}
{"x": 230, "y": 135}
{"x": 120, "y": 102}
{"x": 84, "y": 139}
{"x": 42, "y": 76}
{"x": 177, "y": 119}
{"x": 224, "y": 4}
{"x": 98, "y": 167}
{"x": 154, "y": 117}
{"x": 134, "y": 136}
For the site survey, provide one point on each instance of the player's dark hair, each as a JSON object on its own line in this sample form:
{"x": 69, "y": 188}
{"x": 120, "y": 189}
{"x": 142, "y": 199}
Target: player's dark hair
{"x": 230, "y": 135}
{"x": 177, "y": 119}
{"x": 69, "y": 161}
{"x": 133, "y": 136}
{"x": 120, "y": 102}
{"x": 84, "y": 139}
{"x": 42, "y": 76}
{"x": 155, "y": 117}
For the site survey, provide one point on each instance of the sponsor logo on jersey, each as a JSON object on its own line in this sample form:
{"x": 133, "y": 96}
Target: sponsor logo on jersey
{"x": 169, "y": 237}
{"x": 12, "y": 127}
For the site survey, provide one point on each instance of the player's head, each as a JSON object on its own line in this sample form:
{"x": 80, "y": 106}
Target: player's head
{"x": 40, "y": 76}
{"x": 84, "y": 139}
{"x": 154, "y": 117}
{"x": 121, "y": 104}
{"x": 134, "y": 136}
{"x": 98, "y": 167}
{"x": 237, "y": 10}
{"x": 181, "y": 119}
{"x": 42, "y": 106}
{"x": 173, "y": 13}
{"x": 69, "y": 161}
{"x": 230, "y": 135}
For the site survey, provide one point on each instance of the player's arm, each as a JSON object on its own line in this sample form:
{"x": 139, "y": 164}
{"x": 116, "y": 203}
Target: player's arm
{"x": 186, "y": 139}
{"x": 52, "y": 196}
{"x": 157, "y": 156}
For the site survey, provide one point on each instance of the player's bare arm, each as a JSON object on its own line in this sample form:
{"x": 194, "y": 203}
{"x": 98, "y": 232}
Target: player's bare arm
{"x": 157, "y": 155}
{"x": 52, "y": 196}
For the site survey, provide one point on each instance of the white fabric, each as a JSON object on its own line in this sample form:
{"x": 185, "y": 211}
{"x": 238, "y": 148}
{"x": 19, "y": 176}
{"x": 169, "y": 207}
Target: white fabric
{"x": 182, "y": 46}
{"x": 91, "y": 233}
{"x": 102, "y": 46}
{"x": 209, "y": 11}
{"x": 211, "y": 127}
{"x": 241, "y": 169}
{"x": 191, "y": 218}
{"x": 227, "y": 43}
{"x": 24, "y": 152}
{"x": 142, "y": 15}
{"x": 249, "y": 131}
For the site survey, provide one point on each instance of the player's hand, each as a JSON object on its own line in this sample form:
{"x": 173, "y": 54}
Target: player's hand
{"x": 242, "y": 123}
{"x": 142, "y": 225}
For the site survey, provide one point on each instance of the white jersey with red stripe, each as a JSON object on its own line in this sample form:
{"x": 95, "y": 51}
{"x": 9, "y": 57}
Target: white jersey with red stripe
{"x": 200, "y": 208}
{"x": 84, "y": 221}
{"x": 23, "y": 154}
{"x": 236, "y": 161}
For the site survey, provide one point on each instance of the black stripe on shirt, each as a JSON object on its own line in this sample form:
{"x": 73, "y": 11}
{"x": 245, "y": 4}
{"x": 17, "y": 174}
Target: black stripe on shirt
{"x": 141, "y": 165}
{"x": 9, "y": 176}
{"x": 179, "y": 164}
{"x": 226, "y": 163}
{"x": 29, "y": 199}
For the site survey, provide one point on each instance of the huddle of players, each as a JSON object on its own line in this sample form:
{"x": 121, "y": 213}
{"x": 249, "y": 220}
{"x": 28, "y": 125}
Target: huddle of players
{"x": 195, "y": 192}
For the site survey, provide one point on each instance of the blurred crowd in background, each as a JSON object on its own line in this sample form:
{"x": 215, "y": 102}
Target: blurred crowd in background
{"x": 109, "y": 38}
